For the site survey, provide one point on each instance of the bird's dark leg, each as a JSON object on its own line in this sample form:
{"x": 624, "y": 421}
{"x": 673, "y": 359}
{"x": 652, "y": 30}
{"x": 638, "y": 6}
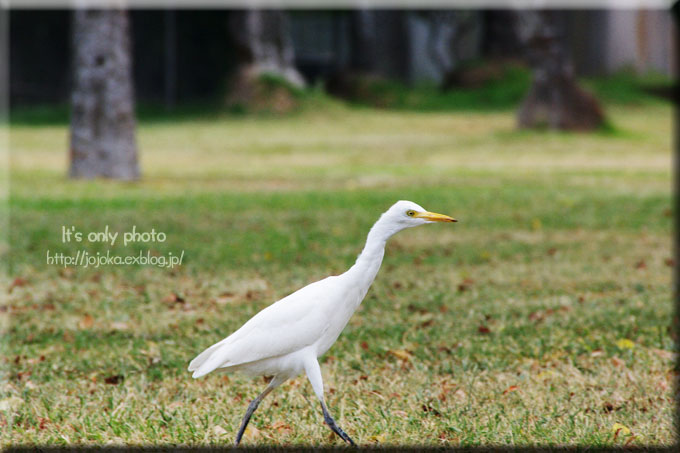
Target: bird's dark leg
{"x": 331, "y": 423}
{"x": 313, "y": 371}
{"x": 275, "y": 382}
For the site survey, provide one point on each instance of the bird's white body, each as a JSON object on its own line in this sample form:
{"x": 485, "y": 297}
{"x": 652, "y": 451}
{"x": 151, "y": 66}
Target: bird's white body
{"x": 288, "y": 336}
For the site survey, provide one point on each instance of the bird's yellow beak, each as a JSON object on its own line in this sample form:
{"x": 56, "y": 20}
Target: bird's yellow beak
{"x": 434, "y": 217}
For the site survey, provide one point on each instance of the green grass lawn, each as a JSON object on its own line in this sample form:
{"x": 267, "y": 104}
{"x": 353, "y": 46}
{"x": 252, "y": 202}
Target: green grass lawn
{"x": 542, "y": 317}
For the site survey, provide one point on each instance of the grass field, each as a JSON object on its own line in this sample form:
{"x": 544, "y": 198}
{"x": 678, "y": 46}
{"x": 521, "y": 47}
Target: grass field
{"x": 542, "y": 317}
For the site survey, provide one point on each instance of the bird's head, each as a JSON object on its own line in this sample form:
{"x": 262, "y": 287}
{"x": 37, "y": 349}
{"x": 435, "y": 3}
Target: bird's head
{"x": 409, "y": 214}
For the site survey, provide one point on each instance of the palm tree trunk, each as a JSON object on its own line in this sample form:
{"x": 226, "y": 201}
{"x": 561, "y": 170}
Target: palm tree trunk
{"x": 102, "y": 119}
{"x": 554, "y": 100}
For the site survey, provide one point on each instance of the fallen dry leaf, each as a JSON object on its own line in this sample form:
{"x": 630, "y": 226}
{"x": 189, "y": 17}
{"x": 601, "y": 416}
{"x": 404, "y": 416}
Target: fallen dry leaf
{"x": 401, "y": 414}
{"x": 116, "y": 325}
{"x": 512, "y": 388}
{"x": 431, "y": 410}
{"x": 378, "y": 438}
{"x": 625, "y": 343}
{"x": 401, "y": 354}
{"x": 11, "y": 403}
{"x": 483, "y": 330}
{"x": 535, "y": 316}
{"x": 465, "y": 285}
{"x": 282, "y": 428}
{"x": 618, "y": 428}
{"x": 251, "y": 433}
{"x": 115, "y": 379}
{"x": 43, "y": 422}
{"x": 668, "y": 355}
{"x": 17, "y": 282}
{"x": 173, "y": 298}
{"x": 618, "y": 362}
{"x": 219, "y": 431}
{"x": 86, "y": 322}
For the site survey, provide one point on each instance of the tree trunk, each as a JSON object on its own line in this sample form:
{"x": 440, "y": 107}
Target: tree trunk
{"x": 102, "y": 118}
{"x": 363, "y": 41}
{"x": 554, "y": 99}
{"x": 264, "y": 44}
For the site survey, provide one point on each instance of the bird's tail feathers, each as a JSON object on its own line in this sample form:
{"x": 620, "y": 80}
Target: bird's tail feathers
{"x": 202, "y": 358}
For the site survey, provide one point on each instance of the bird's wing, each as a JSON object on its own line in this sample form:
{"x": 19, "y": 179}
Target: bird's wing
{"x": 292, "y": 323}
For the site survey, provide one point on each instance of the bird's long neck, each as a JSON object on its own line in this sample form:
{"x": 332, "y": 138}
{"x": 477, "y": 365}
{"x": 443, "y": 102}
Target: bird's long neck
{"x": 368, "y": 263}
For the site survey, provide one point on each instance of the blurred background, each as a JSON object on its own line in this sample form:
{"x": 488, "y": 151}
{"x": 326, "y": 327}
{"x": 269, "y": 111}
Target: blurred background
{"x": 185, "y": 56}
{"x": 265, "y": 143}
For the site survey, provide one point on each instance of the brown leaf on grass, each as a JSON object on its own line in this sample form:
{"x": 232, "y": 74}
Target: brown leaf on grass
{"x": 119, "y": 325}
{"x": 42, "y": 423}
{"x": 397, "y": 285}
{"x": 219, "y": 431}
{"x": 668, "y": 212}
{"x": 364, "y": 346}
{"x": 427, "y": 323}
{"x": 378, "y": 438}
{"x": 630, "y": 439}
{"x": 670, "y": 262}
{"x": 512, "y": 388}
{"x": 535, "y": 316}
{"x": 608, "y": 406}
{"x": 618, "y": 362}
{"x": 18, "y": 282}
{"x": 667, "y": 355}
{"x": 460, "y": 394}
{"x": 641, "y": 265}
{"x": 252, "y": 433}
{"x": 484, "y": 330}
{"x": 431, "y": 410}
{"x": 465, "y": 285}
{"x": 115, "y": 379}
{"x": 401, "y": 354}
{"x": 66, "y": 272}
{"x": 416, "y": 309}
{"x": 551, "y": 251}
{"x": 173, "y": 298}
{"x": 86, "y": 321}
{"x": 282, "y": 428}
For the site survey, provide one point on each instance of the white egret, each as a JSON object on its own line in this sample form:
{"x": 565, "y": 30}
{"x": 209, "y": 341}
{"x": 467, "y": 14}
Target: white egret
{"x": 290, "y": 335}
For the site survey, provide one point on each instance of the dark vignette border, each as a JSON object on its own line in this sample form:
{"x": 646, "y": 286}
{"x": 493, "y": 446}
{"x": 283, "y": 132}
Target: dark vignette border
{"x": 675, "y": 323}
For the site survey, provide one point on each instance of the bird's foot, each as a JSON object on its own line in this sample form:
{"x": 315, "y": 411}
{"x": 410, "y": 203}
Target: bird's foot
{"x": 337, "y": 430}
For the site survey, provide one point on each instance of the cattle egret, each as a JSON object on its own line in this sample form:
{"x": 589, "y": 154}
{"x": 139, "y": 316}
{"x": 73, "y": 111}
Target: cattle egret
{"x": 290, "y": 335}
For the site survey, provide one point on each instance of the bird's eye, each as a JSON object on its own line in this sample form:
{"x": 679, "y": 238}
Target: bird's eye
{"x": 410, "y": 213}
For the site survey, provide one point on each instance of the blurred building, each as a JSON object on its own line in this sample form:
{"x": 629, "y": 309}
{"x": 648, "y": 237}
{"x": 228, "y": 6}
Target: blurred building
{"x": 604, "y": 42}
